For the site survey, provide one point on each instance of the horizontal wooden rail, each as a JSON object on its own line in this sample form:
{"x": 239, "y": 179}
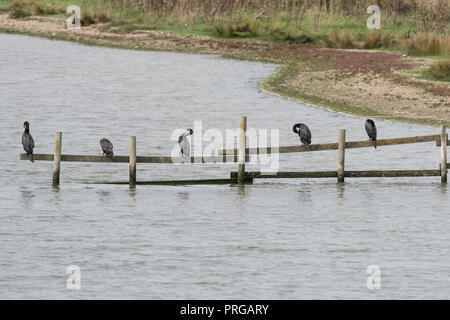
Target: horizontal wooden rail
{"x": 333, "y": 174}
{"x": 139, "y": 159}
{"x": 294, "y": 174}
{"x": 180, "y": 182}
{"x": 334, "y": 146}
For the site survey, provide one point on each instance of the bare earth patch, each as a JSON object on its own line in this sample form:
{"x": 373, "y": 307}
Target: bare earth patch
{"x": 378, "y": 93}
{"x": 364, "y": 82}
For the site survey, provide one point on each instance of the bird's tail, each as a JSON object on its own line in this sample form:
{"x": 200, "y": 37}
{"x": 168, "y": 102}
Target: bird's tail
{"x": 31, "y": 157}
{"x": 308, "y": 147}
{"x": 375, "y": 143}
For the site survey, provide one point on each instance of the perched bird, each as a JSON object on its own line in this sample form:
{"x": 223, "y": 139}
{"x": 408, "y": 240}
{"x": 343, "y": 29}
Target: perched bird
{"x": 107, "y": 148}
{"x": 304, "y": 133}
{"x": 371, "y": 130}
{"x": 184, "y": 144}
{"x": 27, "y": 141}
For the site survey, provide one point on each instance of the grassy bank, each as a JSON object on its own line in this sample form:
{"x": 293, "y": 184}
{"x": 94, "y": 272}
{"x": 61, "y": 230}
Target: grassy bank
{"x": 329, "y": 21}
{"x": 416, "y": 27}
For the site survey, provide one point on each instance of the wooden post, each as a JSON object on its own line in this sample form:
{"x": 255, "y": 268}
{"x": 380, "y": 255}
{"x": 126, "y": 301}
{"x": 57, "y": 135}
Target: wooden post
{"x": 132, "y": 161}
{"x": 57, "y": 158}
{"x": 341, "y": 155}
{"x": 444, "y": 154}
{"x": 242, "y": 149}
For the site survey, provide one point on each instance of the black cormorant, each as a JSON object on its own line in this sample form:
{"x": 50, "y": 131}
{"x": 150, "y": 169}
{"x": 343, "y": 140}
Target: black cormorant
{"x": 27, "y": 141}
{"x": 183, "y": 142}
{"x": 304, "y": 133}
{"x": 107, "y": 148}
{"x": 371, "y": 130}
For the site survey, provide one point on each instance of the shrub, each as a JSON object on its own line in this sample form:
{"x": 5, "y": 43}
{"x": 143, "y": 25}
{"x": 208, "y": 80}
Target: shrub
{"x": 439, "y": 71}
{"x": 36, "y": 9}
{"x": 238, "y": 28}
{"x": 87, "y": 18}
{"x": 340, "y": 40}
{"x": 425, "y": 45}
{"x": 19, "y": 9}
{"x": 52, "y": 9}
{"x": 377, "y": 39}
{"x": 102, "y": 17}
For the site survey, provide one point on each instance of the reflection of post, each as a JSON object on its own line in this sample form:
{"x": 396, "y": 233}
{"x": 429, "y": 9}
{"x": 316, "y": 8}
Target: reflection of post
{"x": 341, "y": 155}
{"x": 241, "y": 189}
{"x": 444, "y": 139}
{"x": 242, "y": 147}
{"x": 57, "y": 158}
{"x": 340, "y": 190}
{"x": 132, "y": 161}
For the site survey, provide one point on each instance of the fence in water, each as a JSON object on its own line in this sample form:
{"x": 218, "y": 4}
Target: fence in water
{"x": 242, "y": 154}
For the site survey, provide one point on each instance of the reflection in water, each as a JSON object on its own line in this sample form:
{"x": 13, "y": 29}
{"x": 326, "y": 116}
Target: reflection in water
{"x": 340, "y": 187}
{"x": 305, "y": 192}
{"x": 104, "y": 195}
{"x": 132, "y": 195}
{"x": 56, "y": 196}
{"x": 183, "y": 195}
{"x": 26, "y": 196}
{"x": 443, "y": 188}
{"x": 241, "y": 189}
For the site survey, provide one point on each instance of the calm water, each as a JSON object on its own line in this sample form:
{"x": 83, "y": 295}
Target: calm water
{"x": 277, "y": 239}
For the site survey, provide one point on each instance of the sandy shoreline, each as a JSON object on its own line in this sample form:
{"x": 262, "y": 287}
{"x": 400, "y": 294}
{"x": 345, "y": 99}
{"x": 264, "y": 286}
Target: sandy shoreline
{"x": 351, "y": 81}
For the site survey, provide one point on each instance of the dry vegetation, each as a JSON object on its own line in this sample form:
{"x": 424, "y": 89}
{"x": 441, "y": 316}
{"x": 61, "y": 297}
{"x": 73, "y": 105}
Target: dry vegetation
{"x": 439, "y": 71}
{"x": 432, "y": 15}
{"x": 422, "y": 15}
{"x": 418, "y": 27}
{"x": 427, "y": 45}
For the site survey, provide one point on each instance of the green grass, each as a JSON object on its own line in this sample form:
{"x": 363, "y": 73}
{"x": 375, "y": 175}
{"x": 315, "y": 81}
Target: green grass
{"x": 310, "y": 26}
{"x": 437, "y": 72}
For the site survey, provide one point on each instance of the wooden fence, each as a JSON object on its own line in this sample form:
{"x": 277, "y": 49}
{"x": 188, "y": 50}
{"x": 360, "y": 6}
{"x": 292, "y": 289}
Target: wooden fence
{"x": 242, "y": 154}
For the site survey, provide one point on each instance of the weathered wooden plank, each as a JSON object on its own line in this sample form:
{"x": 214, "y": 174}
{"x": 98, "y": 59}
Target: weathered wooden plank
{"x": 242, "y": 149}
{"x": 341, "y": 156}
{"x": 57, "y": 158}
{"x": 392, "y": 173}
{"x": 349, "y": 174}
{"x": 299, "y": 174}
{"x": 132, "y": 175}
{"x": 139, "y": 159}
{"x": 444, "y": 142}
{"x": 180, "y": 182}
{"x": 334, "y": 146}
